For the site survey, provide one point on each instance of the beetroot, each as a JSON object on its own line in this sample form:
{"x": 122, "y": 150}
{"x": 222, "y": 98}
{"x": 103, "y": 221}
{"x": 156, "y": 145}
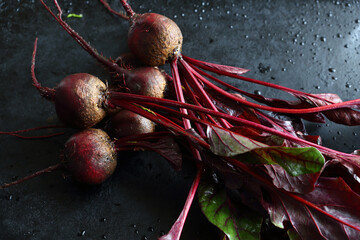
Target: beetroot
{"x": 126, "y": 123}
{"x": 79, "y": 98}
{"x": 154, "y": 38}
{"x": 148, "y": 81}
{"x": 90, "y": 156}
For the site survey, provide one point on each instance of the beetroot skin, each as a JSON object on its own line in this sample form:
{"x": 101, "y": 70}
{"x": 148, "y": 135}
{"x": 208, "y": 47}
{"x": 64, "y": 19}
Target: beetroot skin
{"x": 126, "y": 123}
{"x": 79, "y": 100}
{"x": 154, "y": 38}
{"x": 90, "y": 156}
{"x": 148, "y": 81}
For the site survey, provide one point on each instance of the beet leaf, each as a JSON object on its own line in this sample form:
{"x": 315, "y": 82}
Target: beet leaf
{"x": 335, "y": 213}
{"x": 237, "y": 222}
{"x": 296, "y": 161}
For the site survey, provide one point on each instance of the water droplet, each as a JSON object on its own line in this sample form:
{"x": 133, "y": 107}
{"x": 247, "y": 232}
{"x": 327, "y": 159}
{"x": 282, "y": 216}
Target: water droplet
{"x": 323, "y": 39}
{"x": 354, "y": 133}
{"x": 357, "y": 21}
{"x": 257, "y": 92}
{"x": 338, "y": 132}
{"x": 136, "y": 231}
{"x": 103, "y": 219}
{"x": 104, "y": 236}
{"x": 144, "y": 238}
{"x": 81, "y": 233}
{"x": 346, "y": 46}
{"x": 162, "y": 233}
{"x": 227, "y": 12}
{"x": 348, "y": 85}
{"x": 9, "y": 197}
{"x": 317, "y": 87}
{"x": 195, "y": 10}
{"x": 283, "y": 69}
{"x": 334, "y": 138}
{"x": 231, "y": 26}
{"x": 332, "y": 70}
{"x": 339, "y": 35}
{"x": 151, "y": 229}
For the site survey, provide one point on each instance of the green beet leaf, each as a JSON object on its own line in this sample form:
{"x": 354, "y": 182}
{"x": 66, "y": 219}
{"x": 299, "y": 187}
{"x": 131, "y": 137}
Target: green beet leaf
{"x": 296, "y": 161}
{"x": 237, "y": 222}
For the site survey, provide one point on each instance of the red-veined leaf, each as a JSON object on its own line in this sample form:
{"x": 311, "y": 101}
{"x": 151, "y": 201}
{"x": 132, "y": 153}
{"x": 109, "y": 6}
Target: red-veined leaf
{"x": 296, "y": 161}
{"x": 236, "y": 221}
{"x": 339, "y": 217}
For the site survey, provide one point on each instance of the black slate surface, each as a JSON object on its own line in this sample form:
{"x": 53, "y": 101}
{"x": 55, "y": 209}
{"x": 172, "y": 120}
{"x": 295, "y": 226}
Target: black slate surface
{"x": 306, "y": 45}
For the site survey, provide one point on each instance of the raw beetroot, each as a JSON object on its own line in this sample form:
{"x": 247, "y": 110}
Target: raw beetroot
{"x": 90, "y": 156}
{"x": 126, "y": 123}
{"x": 154, "y": 38}
{"x": 79, "y": 98}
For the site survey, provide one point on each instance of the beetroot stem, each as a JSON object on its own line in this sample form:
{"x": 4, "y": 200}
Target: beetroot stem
{"x": 120, "y": 14}
{"x": 196, "y": 85}
{"x": 48, "y": 93}
{"x": 178, "y": 90}
{"x": 202, "y": 65}
{"x": 145, "y": 99}
{"x": 175, "y": 231}
{"x": 127, "y": 8}
{"x": 333, "y": 106}
{"x": 16, "y": 133}
{"x": 46, "y": 170}
{"x": 85, "y": 45}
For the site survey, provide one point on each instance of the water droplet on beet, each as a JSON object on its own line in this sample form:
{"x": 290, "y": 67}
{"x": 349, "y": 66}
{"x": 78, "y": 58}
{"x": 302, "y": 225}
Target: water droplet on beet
{"x": 144, "y": 238}
{"x": 332, "y": 70}
{"x": 151, "y": 229}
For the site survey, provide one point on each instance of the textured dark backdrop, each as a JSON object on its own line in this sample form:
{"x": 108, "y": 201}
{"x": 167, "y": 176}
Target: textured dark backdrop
{"x": 298, "y": 40}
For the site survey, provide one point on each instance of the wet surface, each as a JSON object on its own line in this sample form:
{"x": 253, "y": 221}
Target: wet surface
{"x": 309, "y": 45}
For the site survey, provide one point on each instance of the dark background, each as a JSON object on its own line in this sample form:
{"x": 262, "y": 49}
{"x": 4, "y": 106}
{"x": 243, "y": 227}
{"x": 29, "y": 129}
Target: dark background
{"x": 298, "y": 40}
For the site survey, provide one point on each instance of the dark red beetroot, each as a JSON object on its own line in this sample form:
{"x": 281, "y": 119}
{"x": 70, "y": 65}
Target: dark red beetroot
{"x": 148, "y": 81}
{"x": 90, "y": 156}
{"x": 154, "y": 38}
{"x": 126, "y": 123}
{"x": 79, "y": 100}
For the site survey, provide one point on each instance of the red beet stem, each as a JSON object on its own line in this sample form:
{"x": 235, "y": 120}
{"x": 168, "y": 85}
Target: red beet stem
{"x": 175, "y": 231}
{"x": 159, "y": 119}
{"x": 16, "y": 133}
{"x": 203, "y": 65}
{"x": 178, "y": 89}
{"x": 115, "y": 97}
{"x": 120, "y": 14}
{"x": 200, "y": 90}
{"x": 85, "y": 45}
{"x": 127, "y": 8}
{"x": 48, "y": 93}
{"x": 46, "y": 170}
{"x": 333, "y": 106}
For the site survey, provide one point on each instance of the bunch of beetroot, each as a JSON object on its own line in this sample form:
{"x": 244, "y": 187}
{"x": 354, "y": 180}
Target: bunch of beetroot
{"x": 252, "y": 165}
